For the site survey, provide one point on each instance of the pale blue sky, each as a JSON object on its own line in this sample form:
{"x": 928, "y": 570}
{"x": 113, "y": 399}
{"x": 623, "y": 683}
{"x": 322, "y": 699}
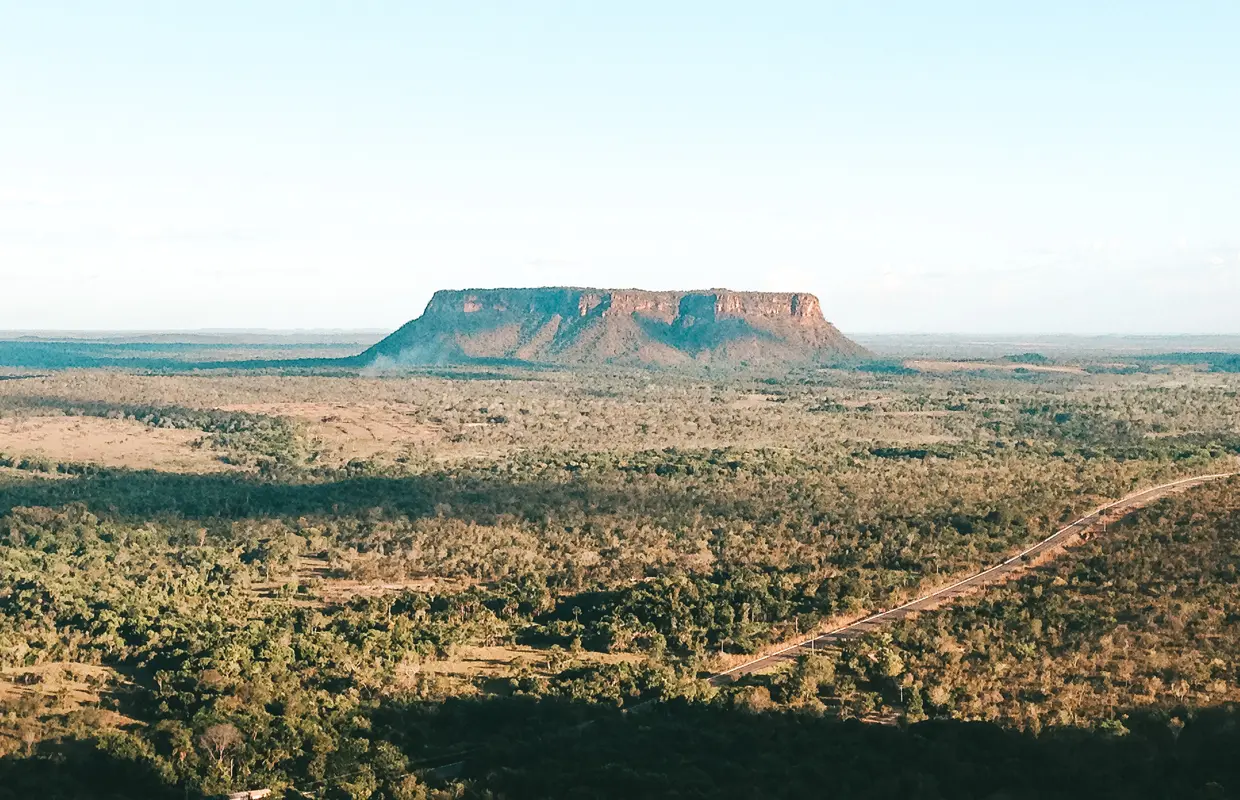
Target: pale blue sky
{"x": 921, "y": 166}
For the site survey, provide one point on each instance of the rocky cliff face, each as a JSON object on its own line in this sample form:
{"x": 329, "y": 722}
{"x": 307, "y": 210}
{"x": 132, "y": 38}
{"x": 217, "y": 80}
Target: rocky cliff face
{"x": 617, "y": 326}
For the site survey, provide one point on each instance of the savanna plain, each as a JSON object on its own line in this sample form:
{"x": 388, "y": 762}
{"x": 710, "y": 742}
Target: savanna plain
{"x": 518, "y": 583}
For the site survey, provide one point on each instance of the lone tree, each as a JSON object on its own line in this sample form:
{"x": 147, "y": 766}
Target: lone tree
{"x": 218, "y": 740}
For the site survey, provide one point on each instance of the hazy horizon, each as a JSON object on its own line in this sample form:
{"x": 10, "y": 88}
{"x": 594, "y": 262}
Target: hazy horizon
{"x": 955, "y": 167}
{"x": 999, "y": 335}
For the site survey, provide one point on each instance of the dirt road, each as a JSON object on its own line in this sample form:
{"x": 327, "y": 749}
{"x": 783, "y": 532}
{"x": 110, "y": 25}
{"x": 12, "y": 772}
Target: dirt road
{"x": 1017, "y": 564}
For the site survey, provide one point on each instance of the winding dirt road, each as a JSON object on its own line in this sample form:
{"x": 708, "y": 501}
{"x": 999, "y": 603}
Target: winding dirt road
{"x": 1013, "y": 566}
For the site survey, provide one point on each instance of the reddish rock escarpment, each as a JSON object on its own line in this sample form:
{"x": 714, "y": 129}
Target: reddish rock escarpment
{"x": 618, "y": 326}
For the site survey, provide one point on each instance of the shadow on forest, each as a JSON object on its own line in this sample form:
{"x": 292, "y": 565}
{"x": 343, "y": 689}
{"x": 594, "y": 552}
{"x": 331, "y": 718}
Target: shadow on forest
{"x": 145, "y": 494}
{"x": 521, "y": 747}
{"x": 694, "y": 750}
{"x": 81, "y": 769}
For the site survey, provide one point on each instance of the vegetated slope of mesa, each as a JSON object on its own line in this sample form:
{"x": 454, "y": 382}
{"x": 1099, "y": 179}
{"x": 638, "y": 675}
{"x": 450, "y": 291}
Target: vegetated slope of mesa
{"x": 575, "y": 326}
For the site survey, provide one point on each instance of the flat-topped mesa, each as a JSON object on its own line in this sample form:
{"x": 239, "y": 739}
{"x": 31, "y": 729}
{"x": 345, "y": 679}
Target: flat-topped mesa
{"x": 655, "y": 305}
{"x": 797, "y": 306}
{"x": 572, "y": 325}
{"x": 502, "y": 301}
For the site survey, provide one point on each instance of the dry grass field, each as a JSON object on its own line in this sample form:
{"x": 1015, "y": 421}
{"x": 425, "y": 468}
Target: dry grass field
{"x": 106, "y": 442}
{"x": 56, "y": 693}
{"x": 341, "y": 432}
{"x": 926, "y": 365}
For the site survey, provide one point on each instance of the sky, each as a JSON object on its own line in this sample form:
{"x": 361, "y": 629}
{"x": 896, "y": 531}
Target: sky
{"x": 941, "y": 166}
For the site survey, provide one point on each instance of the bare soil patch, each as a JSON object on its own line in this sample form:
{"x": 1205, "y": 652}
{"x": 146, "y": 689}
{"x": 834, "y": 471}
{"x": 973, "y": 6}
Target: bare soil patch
{"x": 41, "y": 695}
{"x": 753, "y": 400}
{"x": 343, "y": 432}
{"x": 106, "y": 442}
{"x": 980, "y": 366}
{"x": 74, "y": 684}
{"x": 314, "y": 575}
{"x": 500, "y": 661}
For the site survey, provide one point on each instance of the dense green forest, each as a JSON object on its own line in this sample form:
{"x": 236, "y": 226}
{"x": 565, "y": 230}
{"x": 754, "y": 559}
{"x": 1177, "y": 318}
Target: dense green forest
{"x": 533, "y": 577}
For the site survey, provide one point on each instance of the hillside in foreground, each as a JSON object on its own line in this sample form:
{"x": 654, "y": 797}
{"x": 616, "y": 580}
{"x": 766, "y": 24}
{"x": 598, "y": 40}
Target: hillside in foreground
{"x": 574, "y": 326}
